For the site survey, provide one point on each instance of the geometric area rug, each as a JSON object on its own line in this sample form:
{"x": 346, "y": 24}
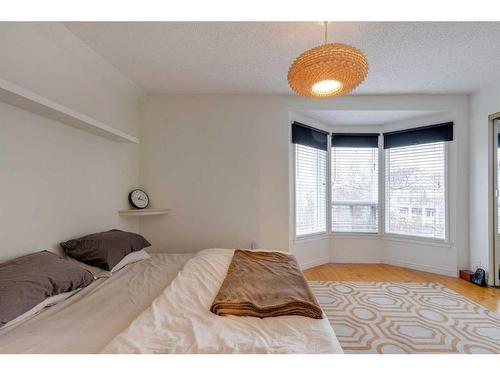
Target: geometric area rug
{"x": 386, "y": 317}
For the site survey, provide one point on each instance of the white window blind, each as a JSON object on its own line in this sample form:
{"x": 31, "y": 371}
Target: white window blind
{"x": 310, "y": 190}
{"x": 415, "y": 194}
{"x": 354, "y": 173}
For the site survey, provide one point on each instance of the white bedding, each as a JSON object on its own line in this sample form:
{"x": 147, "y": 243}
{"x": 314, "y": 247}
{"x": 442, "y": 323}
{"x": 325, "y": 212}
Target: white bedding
{"x": 179, "y": 320}
{"x": 87, "y": 321}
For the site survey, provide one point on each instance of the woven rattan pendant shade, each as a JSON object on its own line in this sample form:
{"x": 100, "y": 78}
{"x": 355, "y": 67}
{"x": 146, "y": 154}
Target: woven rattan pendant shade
{"x": 336, "y": 62}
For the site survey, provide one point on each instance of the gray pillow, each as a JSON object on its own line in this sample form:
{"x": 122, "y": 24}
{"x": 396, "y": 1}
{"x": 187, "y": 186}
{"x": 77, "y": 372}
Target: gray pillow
{"x": 104, "y": 250}
{"x": 29, "y": 280}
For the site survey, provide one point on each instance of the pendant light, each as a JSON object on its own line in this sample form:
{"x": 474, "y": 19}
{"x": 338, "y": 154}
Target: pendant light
{"x": 329, "y": 70}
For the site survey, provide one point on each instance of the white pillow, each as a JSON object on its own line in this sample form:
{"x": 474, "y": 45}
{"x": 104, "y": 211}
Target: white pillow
{"x": 45, "y": 303}
{"x": 131, "y": 258}
{"x": 95, "y": 271}
{"x": 99, "y": 272}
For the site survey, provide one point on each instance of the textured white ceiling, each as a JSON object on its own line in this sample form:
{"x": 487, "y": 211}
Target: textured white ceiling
{"x": 362, "y": 118}
{"x": 253, "y": 57}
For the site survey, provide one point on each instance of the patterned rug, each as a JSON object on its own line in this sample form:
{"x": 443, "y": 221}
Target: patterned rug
{"x": 382, "y": 317}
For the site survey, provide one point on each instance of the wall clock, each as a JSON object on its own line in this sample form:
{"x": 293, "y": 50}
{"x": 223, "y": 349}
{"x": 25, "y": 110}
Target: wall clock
{"x": 138, "y": 198}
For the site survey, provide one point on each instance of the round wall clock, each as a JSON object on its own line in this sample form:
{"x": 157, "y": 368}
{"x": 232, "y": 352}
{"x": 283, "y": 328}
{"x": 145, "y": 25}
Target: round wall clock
{"x": 138, "y": 198}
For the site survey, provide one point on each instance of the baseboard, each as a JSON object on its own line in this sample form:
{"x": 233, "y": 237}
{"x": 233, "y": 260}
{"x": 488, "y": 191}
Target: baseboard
{"x": 314, "y": 263}
{"x": 422, "y": 267}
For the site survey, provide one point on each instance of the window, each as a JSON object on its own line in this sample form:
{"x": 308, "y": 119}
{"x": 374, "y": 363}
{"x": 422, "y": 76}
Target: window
{"x": 310, "y": 190}
{"x": 310, "y": 179}
{"x": 415, "y": 192}
{"x": 354, "y": 173}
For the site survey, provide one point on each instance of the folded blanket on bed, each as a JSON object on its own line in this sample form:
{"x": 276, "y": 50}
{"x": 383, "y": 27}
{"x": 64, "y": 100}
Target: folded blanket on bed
{"x": 265, "y": 284}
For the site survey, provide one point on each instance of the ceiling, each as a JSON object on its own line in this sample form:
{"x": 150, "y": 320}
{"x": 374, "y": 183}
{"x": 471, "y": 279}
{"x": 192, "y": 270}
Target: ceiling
{"x": 362, "y": 118}
{"x": 253, "y": 57}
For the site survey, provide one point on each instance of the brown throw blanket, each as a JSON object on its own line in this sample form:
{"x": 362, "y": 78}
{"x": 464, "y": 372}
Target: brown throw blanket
{"x": 265, "y": 284}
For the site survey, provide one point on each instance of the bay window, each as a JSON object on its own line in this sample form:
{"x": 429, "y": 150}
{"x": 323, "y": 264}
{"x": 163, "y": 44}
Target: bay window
{"x": 414, "y": 182}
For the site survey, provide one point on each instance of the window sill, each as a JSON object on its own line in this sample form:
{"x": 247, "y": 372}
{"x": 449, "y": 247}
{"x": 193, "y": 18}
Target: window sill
{"x": 311, "y": 237}
{"x": 417, "y": 240}
{"x": 354, "y": 235}
{"x": 375, "y": 236}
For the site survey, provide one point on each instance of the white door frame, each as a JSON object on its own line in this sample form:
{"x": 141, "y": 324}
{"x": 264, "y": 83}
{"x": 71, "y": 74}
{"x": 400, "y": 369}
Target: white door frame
{"x": 494, "y": 119}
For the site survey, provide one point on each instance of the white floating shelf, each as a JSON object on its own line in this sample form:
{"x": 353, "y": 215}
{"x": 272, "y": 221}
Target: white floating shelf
{"x": 144, "y": 212}
{"x": 13, "y": 94}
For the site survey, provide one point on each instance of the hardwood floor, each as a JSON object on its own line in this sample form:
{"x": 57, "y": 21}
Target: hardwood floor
{"x": 488, "y": 297}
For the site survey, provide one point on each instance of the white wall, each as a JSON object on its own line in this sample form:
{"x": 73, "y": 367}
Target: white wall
{"x": 49, "y": 60}
{"x": 482, "y": 104}
{"x": 220, "y": 167}
{"x": 222, "y": 163}
{"x": 58, "y": 182}
{"x": 356, "y": 249}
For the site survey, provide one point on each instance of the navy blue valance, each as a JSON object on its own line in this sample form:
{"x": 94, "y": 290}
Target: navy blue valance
{"x": 309, "y": 136}
{"x": 366, "y": 140}
{"x": 416, "y": 136}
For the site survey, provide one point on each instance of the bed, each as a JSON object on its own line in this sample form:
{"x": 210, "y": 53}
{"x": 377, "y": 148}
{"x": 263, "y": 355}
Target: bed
{"x": 88, "y": 320}
{"x": 179, "y": 320}
{"x": 162, "y": 305}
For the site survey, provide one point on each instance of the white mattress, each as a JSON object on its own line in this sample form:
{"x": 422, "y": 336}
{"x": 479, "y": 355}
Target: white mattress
{"x": 88, "y": 320}
{"x": 179, "y": 320}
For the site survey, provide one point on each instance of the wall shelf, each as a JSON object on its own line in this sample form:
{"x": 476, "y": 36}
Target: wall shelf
{"x": 15, "y": 95}
{"x": 144, "y": 212}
